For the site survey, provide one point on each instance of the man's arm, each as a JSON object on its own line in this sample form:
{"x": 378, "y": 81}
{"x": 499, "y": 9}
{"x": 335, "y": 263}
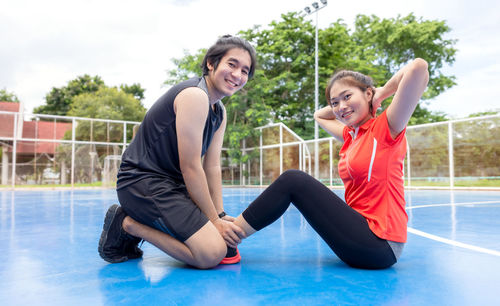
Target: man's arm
{"x": 212, "y": 167}
{"x": 191, "y": 107}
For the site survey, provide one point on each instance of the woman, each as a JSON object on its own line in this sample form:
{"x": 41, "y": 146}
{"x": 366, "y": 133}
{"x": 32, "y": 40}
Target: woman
{"x": 169, "y": 184}
{"x": 370, "y": 230}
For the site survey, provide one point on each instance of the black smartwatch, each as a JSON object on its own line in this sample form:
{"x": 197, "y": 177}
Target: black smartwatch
{"x": 222, "y": 214}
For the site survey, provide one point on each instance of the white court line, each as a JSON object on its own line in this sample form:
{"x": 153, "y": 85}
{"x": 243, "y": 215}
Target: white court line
{"x": 453, "y": 242}
{"x": 453, "y": 204}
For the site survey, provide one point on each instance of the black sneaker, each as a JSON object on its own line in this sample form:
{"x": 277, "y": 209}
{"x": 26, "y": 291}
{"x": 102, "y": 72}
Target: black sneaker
{"x": 132, "y": 247}
{"x": 114, "y": 240}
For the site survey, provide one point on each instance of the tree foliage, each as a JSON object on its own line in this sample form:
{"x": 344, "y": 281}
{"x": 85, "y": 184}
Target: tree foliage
{"x": 59, "y": 100}
{"x": 486, "y": 113}
{"x": 388, "y": 44}
{"x": 186, "y": 67}
{"x": 135, "y": 90}
{"x": 106, "y": 103}
{"x": 283, "y": 85}
{"x": 6, "y": 96}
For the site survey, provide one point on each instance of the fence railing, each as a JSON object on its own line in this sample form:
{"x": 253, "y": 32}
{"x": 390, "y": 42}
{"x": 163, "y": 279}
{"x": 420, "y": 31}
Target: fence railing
{"x": 456, "y": 153}
{"x": 59, "y": 150}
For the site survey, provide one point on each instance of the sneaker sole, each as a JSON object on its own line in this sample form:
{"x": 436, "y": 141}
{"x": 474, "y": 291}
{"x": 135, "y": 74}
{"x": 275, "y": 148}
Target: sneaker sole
{"x": 108, "y": 220}
{"x": 231, "y": 260}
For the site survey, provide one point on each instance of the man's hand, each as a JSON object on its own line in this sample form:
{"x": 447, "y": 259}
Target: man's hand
{"x": 231, "y": 233}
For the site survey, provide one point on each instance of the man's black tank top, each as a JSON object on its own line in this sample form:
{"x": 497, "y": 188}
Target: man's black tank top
{"x": 154, "y": 152}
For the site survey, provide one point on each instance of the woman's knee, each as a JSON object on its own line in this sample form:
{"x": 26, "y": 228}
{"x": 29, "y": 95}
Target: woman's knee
{"x": 293, "y": 177}
{"x": 370, "y": 265}
{"x": 370, "y": 261}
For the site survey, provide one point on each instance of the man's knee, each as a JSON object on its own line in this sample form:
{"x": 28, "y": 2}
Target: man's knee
{"x": 207, "y": 246}
{"x": 210, "y": 256}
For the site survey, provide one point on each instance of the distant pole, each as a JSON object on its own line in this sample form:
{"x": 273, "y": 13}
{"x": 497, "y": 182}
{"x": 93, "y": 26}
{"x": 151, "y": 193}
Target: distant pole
{"x": 309, "y": 11}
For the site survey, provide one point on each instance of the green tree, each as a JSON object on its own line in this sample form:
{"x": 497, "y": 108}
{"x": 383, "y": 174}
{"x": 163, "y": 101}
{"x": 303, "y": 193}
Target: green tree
{"x": 59, "y": 100}
{"x": 135, "y": 90}
{"x": 422, "y": 115}
{"x": 6, "y": 96}
{"x": 286, "y": 84}
{"x": 486, "y": 113}
{"x": 186, "y": 67}
{"x": 388, "y": 44}
{"x": 377, "y": 47}
{"x": 105, "y": 103}
{"x": 108, "y": 103}
{"x": 283, "y": 87}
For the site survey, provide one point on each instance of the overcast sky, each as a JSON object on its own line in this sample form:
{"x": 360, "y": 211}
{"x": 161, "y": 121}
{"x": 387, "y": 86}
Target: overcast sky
{"x": 45, "y": 44}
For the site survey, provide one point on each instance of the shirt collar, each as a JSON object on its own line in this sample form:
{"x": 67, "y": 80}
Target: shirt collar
{"x": 355, "y": 131}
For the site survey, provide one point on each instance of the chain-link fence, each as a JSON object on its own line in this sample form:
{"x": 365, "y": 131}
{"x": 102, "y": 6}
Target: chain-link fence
{"x": 59, "y": 150}
{"x": 73, "y": 151}
{"x": 457, "y": 153}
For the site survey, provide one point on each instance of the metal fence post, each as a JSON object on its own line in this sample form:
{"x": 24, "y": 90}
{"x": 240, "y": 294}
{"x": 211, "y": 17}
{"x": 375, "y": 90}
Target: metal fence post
{"x": 450, "y": 154}
{"x": 281, "y": 149}
{"x": 260, "y": 158}
{"x": 331, "y": 161}
{"x": 243, "y": 153}
{"x": 73, "y": 128}
{"x": 301, "y": 166}
{"x": 408, "y": 163}
{"x": 124, "y": 137}
{"x": 14, "y": 152}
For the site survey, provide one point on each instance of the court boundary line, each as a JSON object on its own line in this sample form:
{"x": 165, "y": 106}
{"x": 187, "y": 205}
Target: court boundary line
{"x": 449, "y": 241}
{"x": 452, "y": 204}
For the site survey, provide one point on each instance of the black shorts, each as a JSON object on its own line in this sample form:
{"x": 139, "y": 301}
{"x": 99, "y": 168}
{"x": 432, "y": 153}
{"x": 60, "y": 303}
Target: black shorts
{"x": 164, "y": 205}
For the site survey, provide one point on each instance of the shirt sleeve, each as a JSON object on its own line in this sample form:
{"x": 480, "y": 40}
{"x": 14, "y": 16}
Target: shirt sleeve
{"x": 382, "y": 133}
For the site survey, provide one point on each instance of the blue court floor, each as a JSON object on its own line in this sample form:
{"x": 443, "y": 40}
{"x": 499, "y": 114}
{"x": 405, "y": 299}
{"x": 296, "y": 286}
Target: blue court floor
{"x": 48, "y": 243}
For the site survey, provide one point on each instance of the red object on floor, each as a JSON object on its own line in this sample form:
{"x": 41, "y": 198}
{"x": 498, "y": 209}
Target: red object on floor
{"x": 231, "y": 260}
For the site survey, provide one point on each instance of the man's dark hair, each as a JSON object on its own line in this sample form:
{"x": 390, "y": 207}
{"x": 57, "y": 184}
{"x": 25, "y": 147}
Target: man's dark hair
{"x": 227, "y": 42}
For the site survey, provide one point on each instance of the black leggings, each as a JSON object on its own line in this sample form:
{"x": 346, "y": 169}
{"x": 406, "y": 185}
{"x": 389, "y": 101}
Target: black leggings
{"x": 341, "y": 227}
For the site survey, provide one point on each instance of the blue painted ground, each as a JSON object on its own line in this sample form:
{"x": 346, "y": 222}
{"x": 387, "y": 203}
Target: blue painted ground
{"x": 48, "y": 243}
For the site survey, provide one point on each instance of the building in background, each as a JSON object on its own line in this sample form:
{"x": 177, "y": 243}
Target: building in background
{"x": 30, "y": 154}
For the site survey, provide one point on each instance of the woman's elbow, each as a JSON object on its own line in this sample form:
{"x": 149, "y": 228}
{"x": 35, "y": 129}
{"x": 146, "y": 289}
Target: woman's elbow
{"x": 316, "y": 114}
{"x": 420, "y": 63}
{"x": 421, "y": 67}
